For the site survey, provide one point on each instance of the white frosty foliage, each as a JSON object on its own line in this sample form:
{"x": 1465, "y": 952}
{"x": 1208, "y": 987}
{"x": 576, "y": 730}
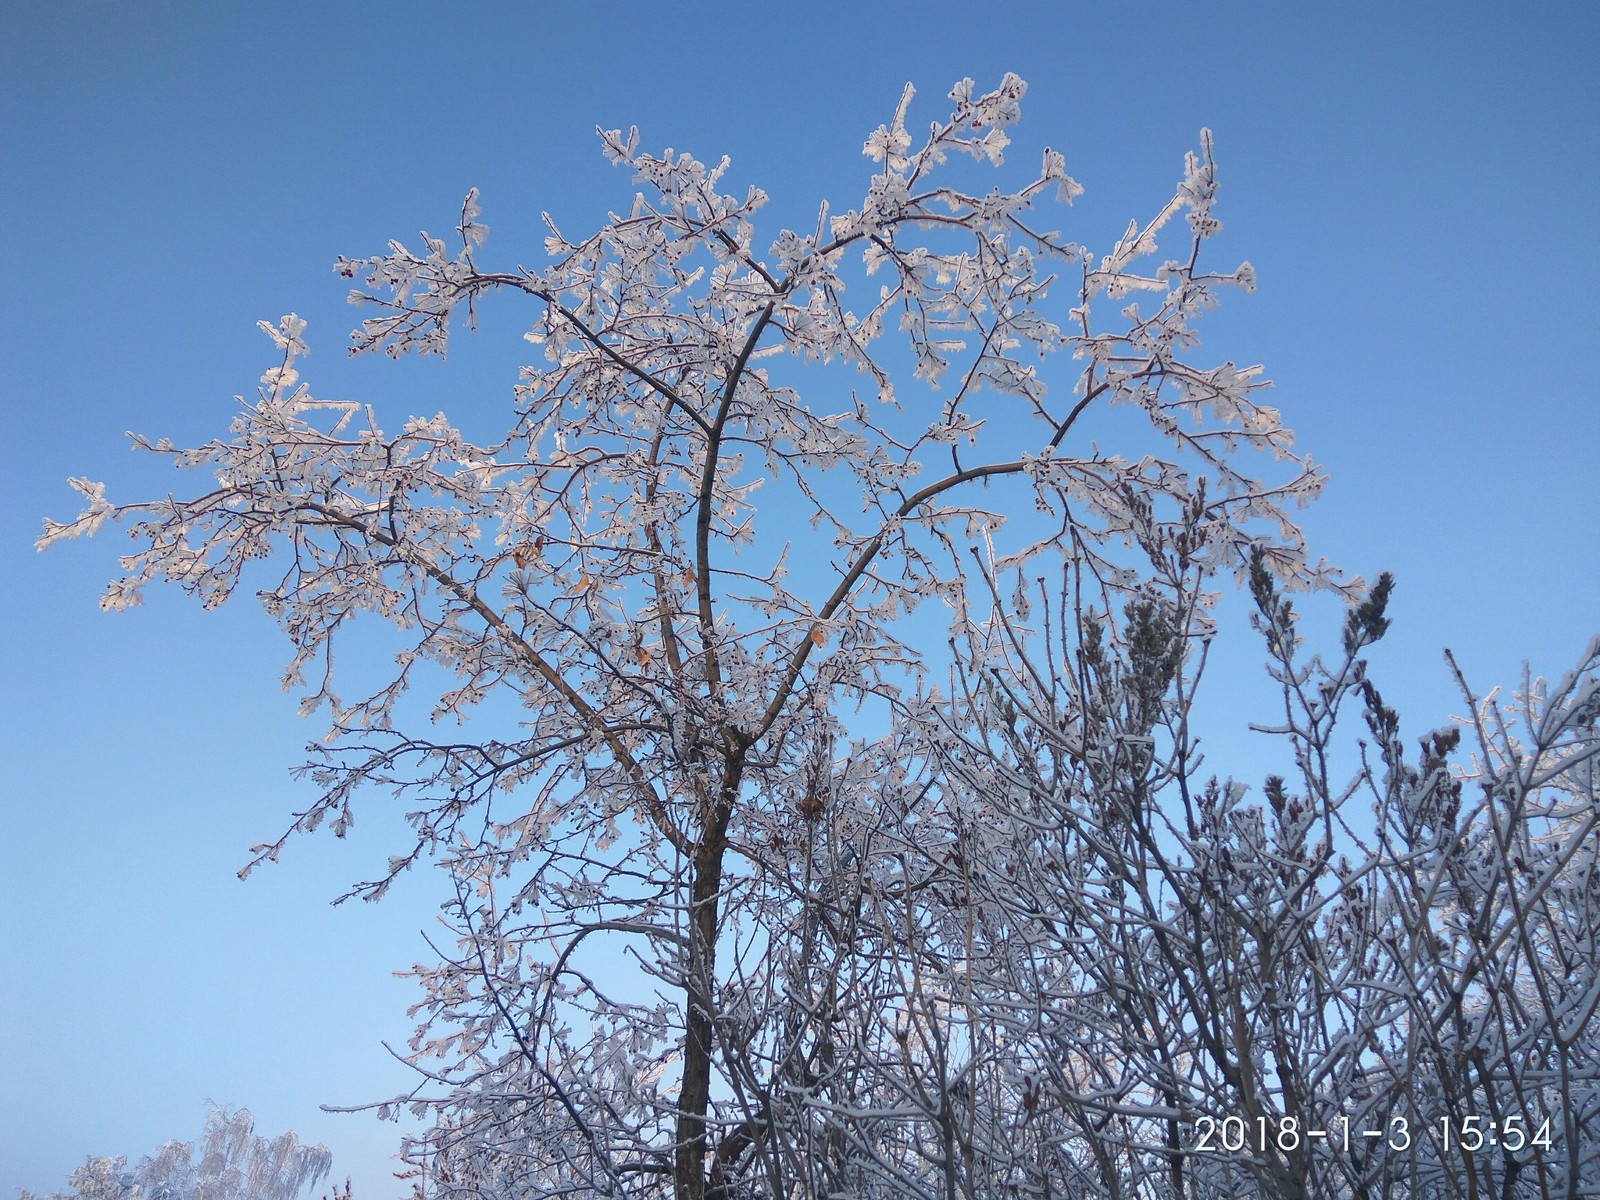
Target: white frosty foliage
{"x": 229, "y": 1162}
{"x": 995, "y": 937}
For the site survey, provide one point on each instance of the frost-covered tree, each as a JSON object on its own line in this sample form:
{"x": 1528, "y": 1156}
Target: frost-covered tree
{"x": 229, "y": 1162}
{"x": 736, "y": 697}
{"x": 1377, "y": 979}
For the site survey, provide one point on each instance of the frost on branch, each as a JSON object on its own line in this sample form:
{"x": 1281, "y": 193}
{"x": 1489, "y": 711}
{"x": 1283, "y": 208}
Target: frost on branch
{"x": 708, "y": 680}
{"x": 1410, "y": 943}
{"x": 88, "y": 522}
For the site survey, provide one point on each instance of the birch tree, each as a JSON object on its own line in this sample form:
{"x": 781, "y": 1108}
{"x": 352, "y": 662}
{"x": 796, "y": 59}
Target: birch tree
{"x": 669, "y": 701}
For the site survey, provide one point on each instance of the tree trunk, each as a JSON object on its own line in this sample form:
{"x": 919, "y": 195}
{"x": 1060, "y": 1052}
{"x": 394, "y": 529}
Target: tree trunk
{"x": 689, "y": 1165}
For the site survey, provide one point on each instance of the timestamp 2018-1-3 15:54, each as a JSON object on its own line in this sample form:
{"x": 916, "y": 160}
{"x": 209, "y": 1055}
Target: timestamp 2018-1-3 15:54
{"x": 1238, "y": 1135}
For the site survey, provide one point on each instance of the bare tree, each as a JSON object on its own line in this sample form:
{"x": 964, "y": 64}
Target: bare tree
{"x": 744, "y": 900}
{"x": 1182, "y": 993}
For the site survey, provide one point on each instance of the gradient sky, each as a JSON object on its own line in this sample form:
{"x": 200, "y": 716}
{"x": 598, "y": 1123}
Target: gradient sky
{"x": 1415, "y": 183}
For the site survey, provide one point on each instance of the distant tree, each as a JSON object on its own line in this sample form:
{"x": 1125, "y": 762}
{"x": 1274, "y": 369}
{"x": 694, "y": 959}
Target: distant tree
{"x": 745, "y": 899}
{"x": 229, "y": 1162}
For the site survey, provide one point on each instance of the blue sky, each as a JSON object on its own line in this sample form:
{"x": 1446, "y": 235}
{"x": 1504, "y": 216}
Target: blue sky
{"x": 1416, "y": 185}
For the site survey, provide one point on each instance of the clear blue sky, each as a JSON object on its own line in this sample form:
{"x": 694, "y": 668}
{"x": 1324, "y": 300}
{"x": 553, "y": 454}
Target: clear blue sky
{"x": 1416, "y": 184}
